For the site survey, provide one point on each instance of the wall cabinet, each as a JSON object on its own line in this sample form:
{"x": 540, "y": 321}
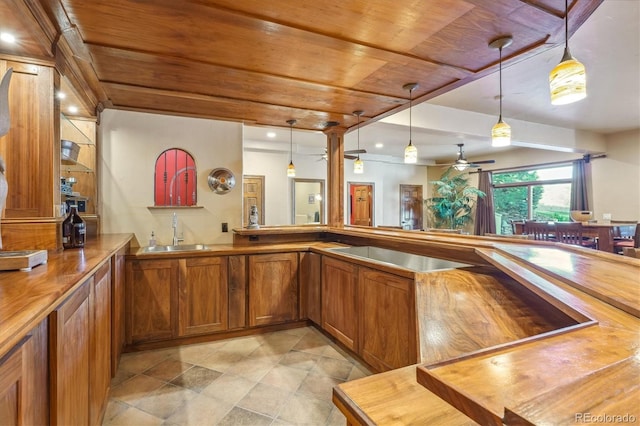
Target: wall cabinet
{"x": 23, "y": 381}
{"x": 152, "y": 300}
{"x": 340, "y": 301}
{"x": 273, "y": 288}
{"x": 204, "y": 296}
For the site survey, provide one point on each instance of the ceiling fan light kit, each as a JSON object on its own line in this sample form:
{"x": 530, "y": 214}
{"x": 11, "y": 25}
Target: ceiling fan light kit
{"x": 568, "y": 80}
{"x": 358, "y": 165}
{"x": 501, "y": 131}
{"x": 410, "y": 152}
{"x": 291, "y": 169}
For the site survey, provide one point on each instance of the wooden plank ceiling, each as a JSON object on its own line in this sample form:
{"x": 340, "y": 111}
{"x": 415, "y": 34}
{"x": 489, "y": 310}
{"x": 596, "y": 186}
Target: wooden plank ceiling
{"x": 264, "y": 62}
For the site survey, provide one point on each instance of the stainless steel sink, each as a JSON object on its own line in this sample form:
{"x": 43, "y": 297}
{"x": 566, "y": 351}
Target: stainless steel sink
{"x": 180, "y": 247}
{"x": 409, "y": 261}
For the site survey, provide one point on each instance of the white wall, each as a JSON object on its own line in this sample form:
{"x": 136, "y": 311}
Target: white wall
{"x": 130, "y": 142}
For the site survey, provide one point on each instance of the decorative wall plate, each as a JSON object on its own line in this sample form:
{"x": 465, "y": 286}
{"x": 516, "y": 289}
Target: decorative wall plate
{"x": 221, "y": 180}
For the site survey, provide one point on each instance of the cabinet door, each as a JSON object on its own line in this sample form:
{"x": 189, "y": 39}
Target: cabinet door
{"x": 310, "y": 285}
{"x": 339, "y": 301}
{"x": 387, "y": 320}
{"x": 237, "y": 291}
{"x": 69, "y": 337}
{"x": 204, "y": 295}
{"x": 100, "y": 327}
{"x": 117, "y": 308}
{"x": 152, "y": 300}
{"x": 273, "y": 288}
{"x": 23, "y": 381}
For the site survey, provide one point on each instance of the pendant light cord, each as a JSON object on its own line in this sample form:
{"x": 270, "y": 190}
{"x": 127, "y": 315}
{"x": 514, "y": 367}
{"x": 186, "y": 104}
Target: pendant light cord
{"x": 410, "y": 100}
{"x": 500, "y": 78}
{"x": 566, "y": 24}
{"x": 359, "y": 136}
{"x": 291, "y": 143}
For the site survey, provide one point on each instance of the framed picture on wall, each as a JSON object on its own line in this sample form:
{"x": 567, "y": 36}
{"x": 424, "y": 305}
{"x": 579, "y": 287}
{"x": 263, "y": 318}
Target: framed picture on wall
{"x": 312, "y": 199}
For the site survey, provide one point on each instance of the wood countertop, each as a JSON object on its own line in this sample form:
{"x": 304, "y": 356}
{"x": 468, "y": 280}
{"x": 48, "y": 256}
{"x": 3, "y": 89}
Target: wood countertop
{"x": 26, "y": 298}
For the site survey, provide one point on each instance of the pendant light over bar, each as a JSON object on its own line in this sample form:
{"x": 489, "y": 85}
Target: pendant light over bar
{"x": 291, "y": 170}
{"x": 358, "y": 165}
{"x": 410, "y": 152}
{"x": 568, "y": 80}
{"x": 501, "y": 131}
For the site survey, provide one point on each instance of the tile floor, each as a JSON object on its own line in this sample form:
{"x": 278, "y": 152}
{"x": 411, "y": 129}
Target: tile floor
{"x": 281, "y": 378}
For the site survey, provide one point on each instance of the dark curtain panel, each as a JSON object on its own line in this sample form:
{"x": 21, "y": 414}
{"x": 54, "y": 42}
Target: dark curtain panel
{"x": 580, "y": 182}
{"x": 485, "y": 221}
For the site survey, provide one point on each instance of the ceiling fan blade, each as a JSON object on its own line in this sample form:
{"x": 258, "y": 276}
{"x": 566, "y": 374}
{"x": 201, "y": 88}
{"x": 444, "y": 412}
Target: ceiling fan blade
{"x": 484, "y": 162}
{"x": 350, "y": 157}
{"x": 356, "y": 151}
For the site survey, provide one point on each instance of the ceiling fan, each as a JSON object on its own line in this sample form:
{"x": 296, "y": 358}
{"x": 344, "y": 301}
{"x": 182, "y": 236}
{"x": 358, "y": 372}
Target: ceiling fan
{"x": 462, "y": 163}
{"x": 349, "y": 155}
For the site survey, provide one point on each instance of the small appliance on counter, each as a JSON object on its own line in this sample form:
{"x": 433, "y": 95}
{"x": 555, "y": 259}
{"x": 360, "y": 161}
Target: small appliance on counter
{"x": 23, "y": 260}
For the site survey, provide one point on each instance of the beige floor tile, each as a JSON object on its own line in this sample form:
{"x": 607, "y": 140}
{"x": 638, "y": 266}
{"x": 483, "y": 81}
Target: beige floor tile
{"x": 199, "y": 411}
{"x": 301, "y": 360}
{"x": 312, "y": 343}
{"x": 305, "y": 410}
{"x": 358, "y": 372}
{"x": 281, "y": 340}
{"x": 238, "y": 416}
{"x": 195, "y": 354}
{"x": 196, "y": 378}
{"x": 165, "y": 401}
{"x": 229, "y": 388}
{"x": 336, "y": 418}
{"x": 133, "y": 416}
{"x": 264, "y": 399}
{"x": 137, "y": 362}
{"x": 252, "y": 369}
{"x": 337, "y": 353}
{"x": 318, "y": 386}
{"x": 114, "y": 408}
{"x": 136, "y": 388}
{"x": 283, "y": 377}
{"x": 221, "y": 361}
{"x": 168, "y": 369}
{"x": 301, "y": 331}
{"x": 242, "y": 346}
{"x": 339, "y": 369}
{"x": 268, "y": 354}
{"x": 121, "y": 376}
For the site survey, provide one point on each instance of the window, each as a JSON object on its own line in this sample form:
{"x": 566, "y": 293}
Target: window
{"x": 175, "y": 179}
{"x": 535, "y": 194}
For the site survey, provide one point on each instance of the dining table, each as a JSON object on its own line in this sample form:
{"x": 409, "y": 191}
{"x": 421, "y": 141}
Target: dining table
{"x": 604, "y": 232}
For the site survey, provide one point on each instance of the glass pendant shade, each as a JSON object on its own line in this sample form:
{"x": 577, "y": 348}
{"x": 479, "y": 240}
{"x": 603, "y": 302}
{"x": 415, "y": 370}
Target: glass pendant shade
{"x": 410, "y": 154}
{"x": 501, "y": 134}
{"x": 291, "y": 170}
{"x": 568, "y": 81}
{"x": 358, "y": 166}
{"x": 461, "y": 166}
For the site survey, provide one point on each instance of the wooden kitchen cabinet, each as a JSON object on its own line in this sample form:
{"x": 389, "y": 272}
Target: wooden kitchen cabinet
{"x": 387, "y": 320}
{"x": 204, "y": 297}
{"x": 340, "y": 301}
{"x": 100, "y": 329}
{"x": 273, "y": 288}
{"x": 70, "y": 352}
{"x": 23, "y": 381}
{"x": 151, "y": 300}
{"x": 310, "y": 287}
{"x": 117, "y": 308}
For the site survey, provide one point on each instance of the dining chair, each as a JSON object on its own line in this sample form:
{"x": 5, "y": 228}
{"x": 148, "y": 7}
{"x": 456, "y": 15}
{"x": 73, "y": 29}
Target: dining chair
{"x": 571, "y": 233}
{"x": 624, "y": 237}
{"x": 541, "y": 231}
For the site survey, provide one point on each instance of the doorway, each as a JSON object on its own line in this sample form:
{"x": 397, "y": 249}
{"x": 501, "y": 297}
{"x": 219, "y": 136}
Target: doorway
{"x": 361, "y": 203}
{"x": 411, "y": 206}
{"x": 253, "y": 195}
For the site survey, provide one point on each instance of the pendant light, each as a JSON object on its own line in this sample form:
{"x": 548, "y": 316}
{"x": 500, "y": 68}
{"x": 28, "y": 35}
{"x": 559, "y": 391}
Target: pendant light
{"x": 291, "y": 170}
{"x": 410, "y": 152}
{"x": 358, "y": 165}
{"x": 568, "y": 80}
{"x": 501, "y": 131}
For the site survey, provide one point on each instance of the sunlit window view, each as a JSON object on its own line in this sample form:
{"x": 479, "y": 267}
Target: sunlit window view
{"x": 536, "y": 194}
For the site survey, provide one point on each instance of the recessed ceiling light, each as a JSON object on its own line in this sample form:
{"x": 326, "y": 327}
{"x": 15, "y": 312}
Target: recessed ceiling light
{"x": 379, "y": 145}
{"x": 72, "y": 109}
{"x": 62, "y": 95}
{"x": 271, "y": 135}
{"x": 7, "y": 38}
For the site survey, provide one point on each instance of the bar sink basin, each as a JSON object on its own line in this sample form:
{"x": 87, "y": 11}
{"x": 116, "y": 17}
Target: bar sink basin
{"x": 180, "y": 247}
{"x": 413, "y": 262}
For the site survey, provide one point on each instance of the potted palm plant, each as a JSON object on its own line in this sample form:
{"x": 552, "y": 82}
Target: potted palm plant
{"x": 453, "y": 201}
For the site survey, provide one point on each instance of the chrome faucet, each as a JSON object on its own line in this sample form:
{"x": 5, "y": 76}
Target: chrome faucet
{"x": 174, "y": 225}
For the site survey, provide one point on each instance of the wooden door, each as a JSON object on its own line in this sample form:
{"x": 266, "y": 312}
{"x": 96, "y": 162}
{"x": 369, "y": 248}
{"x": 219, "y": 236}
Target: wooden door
{"x": 253, "y": 195}
{"x": 361, "y": 204}
{"x": 204, "y": 297}
{"x": 151, "y": 289}
{"x": 273, "y": 288}
{"x": 69, "y": 342}
{"x": 387, "y": 320}
{"x": 339, "y": 301}
{"x": 411, "y": 206}
{"x": 100, "y": 329}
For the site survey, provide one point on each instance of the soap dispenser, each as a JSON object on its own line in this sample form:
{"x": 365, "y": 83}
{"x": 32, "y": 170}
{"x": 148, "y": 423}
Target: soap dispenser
{"x": 152, "y": 240}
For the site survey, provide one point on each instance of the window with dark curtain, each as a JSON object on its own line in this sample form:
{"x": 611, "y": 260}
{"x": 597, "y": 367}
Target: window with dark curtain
{"x": 175, "y": 179}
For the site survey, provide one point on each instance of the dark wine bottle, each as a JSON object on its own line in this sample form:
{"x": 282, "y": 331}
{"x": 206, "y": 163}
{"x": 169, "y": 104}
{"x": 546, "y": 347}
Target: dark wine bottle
{"x": 74, "y": 230}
